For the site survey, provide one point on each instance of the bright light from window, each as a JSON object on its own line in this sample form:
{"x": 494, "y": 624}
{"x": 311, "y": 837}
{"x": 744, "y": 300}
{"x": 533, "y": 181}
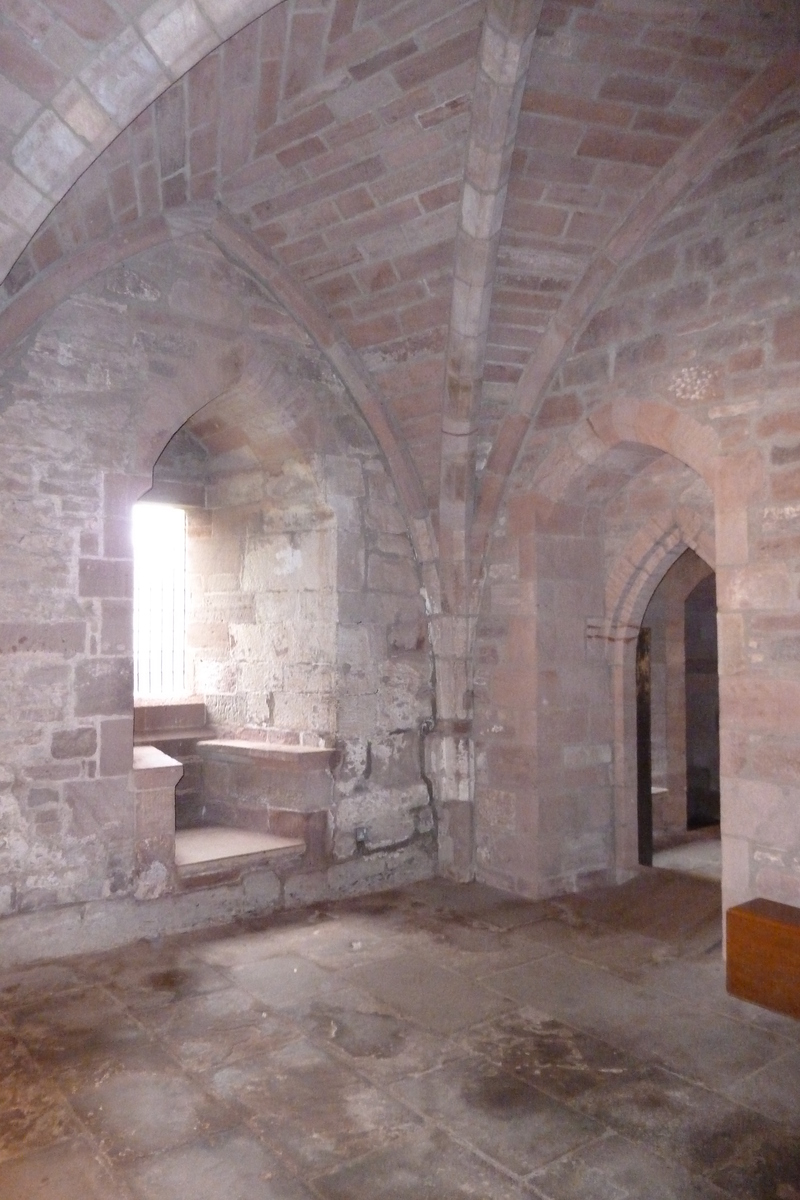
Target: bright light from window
{"x": 159, "y": 601}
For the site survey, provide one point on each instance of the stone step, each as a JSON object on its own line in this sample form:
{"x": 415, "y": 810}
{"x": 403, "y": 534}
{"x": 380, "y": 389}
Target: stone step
{"x": 212, "y": 852}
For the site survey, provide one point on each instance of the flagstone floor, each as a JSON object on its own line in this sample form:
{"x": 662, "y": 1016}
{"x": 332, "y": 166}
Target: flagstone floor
{"x": 435, "y": 1043}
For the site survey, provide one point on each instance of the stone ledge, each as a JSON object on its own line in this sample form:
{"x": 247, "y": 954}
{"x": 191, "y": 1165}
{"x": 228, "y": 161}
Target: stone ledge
{"x": 154, "y": 719}
{"x": 170, "y": 735}
{"x": 293, "y": 757}
{"x": 212, "y": 843}
{"x": 154, "y": 769}
{"x": 213, "y": 854}
{"x": 92, "y": 926}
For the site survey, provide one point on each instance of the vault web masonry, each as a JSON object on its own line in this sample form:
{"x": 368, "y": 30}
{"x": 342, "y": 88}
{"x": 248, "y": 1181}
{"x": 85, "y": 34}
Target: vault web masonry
{"x": 460, "y": 334}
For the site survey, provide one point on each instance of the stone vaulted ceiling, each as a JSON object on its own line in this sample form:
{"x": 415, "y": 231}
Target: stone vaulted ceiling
{"x": 439, "y": 191}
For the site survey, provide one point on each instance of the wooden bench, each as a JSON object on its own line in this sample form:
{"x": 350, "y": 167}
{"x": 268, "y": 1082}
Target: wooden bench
{"x": 763, "y": 955}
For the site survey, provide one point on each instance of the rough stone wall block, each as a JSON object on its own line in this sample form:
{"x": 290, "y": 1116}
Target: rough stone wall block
{"x": 153, "y": 779}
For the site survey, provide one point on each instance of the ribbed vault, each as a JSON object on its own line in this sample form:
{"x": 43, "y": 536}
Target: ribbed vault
{"x": 452, "y": 188}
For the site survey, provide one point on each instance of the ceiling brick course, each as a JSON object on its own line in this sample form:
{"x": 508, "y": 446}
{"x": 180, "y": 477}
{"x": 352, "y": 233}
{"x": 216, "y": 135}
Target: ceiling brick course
{"x": 338, "y": 133}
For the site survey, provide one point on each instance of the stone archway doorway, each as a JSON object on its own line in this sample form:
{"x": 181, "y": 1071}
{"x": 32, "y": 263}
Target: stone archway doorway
{"x": 678, "y": 722}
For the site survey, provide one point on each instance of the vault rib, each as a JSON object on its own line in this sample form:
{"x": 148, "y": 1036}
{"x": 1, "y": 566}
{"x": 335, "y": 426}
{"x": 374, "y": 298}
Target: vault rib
{"x": 697, "y": 158}
{"x": 503, "y": 59}
{"x": 237, "y": 243}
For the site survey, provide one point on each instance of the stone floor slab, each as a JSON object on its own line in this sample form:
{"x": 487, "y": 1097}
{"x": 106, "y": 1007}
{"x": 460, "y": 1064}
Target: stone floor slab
{"x": 215, "y": 1029}
{"x": 133, "y": 1113}
{"x": 312, "y": 1109}
{"x": 473, "y": 950}
{"x": 657, "y": 1027}
{"x": 496, "y": 1113}
{"x": 72, "y": 1170}
{"x": 318, "y": 935}
{"x": 426, "y": 1166}
{"x": 286, "y": 982}
{"x": 152, "y": 974}
{"x": 766, "y": 1167}
{"x": 33, "y": 1110}
{"x": 437, "y": 999}
{"x": 78, "y": 1037}
{"x": 234, "y": 1167}
{"x": 376, "y": 1042}
{"x": 700, "y": 982}
{"x": 548, "y": 1054}
{"x": 705, "y": 1046}
{"x": 476, "y": 902}
{"x": 439, "y": 1041}
{"x": 29, "y": 984}
{"x": 665, "y": 905}
{"x": 773, "y": 1091}
{"x": 612, "y": 1168}
{"x": 677, "y": 1119}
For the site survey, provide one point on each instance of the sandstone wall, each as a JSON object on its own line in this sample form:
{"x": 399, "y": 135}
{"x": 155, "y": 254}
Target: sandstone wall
{"x": 334, "y": 645}
{"x": 693, "y": 352}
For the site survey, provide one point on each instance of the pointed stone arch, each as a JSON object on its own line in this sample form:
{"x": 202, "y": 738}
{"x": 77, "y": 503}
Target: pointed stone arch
{"x": 630, "y": 584}
{"x": 66, "y": 121}
{"x": 697, "y": 157}
{"x": 237, "y": 246}
{"x": 734, "y": 480}
{"x": 647, "y": 557}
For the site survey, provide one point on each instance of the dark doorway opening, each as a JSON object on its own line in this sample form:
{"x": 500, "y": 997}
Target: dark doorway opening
{"x": 702, "y": 705}
{"x": 677, "y": 722}
{"x": 644, "y": 756}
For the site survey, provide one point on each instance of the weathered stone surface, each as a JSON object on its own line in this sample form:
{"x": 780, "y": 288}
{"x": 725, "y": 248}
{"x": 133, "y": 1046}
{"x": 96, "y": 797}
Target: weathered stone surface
{"x": 74, "y": 743}
{"x": 454, "y": 334}
{"x": 103, "y": 686}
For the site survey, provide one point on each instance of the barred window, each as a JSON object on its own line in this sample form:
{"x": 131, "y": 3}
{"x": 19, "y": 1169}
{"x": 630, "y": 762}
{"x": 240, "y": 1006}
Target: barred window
{"x": 159, "y": 601}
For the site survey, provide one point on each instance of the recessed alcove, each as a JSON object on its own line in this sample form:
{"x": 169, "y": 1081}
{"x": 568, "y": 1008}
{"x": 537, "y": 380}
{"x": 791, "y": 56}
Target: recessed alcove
{"x": 306, "y": 664}
{"x": 255, "y": 734}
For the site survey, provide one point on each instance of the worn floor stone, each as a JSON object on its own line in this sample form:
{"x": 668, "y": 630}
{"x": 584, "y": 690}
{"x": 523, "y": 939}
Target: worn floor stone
{"x": 133, "y": 1112}
{"x": 288, "y": 982}
{"x": 375, "y": 1040}
{"x": 78, "y": 1037}
{"x": 236, "y": 1167}
{"x": 33, "y": 1113}
{"x": 551, "y": 1056}
{"x": 71, "y": 1170}
{"x": 214, "y": 1029}
{"x": 313, "y": 1109}
{"x": 638, "y": 1019}
{"x": 427, "y": 1166}
{"x": 613, "y": 1168}
{"x": 566, "y": 1051}
{"x": 774, "y": 1090}
{"x": 30, "y": 982}
{"x": 500, "y": 1114}
{"x": 428, "y": 994}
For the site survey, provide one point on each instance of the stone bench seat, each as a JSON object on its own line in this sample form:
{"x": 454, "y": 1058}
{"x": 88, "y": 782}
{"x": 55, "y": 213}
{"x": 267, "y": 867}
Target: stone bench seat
{"x": 276, "y": 753}
{"x": 259, "y": 803}
{"x": 283, "y": 789}
{"x": 248, "y": 782}
{"x": 217, "y": 850}
{"x": 171, "y": 735}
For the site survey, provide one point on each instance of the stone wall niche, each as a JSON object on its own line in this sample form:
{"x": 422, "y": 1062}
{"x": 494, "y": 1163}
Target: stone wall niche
{"x": 307, "y": 627}
{"x": 306, "y": 636}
